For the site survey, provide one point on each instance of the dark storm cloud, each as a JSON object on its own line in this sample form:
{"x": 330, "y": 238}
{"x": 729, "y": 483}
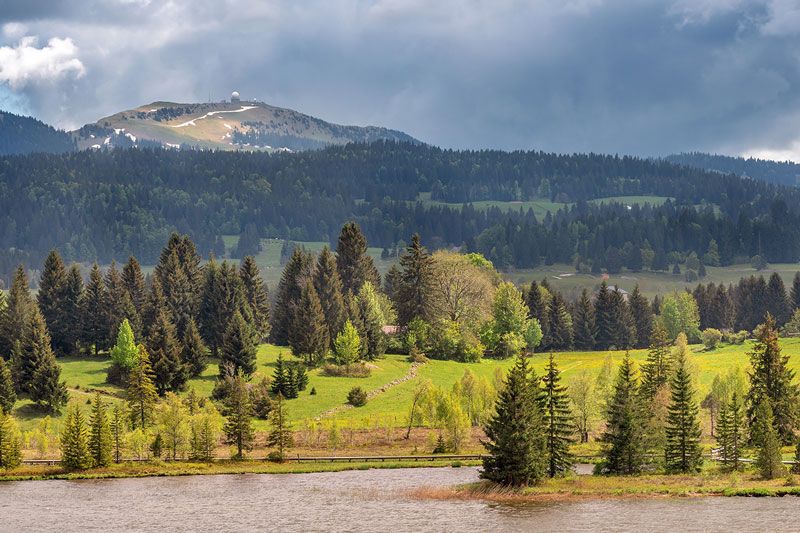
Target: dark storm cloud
{"x": 637, "y": 76}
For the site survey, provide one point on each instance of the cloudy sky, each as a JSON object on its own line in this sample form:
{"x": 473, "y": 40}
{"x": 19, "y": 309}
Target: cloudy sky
{"x": 628, "y": 76}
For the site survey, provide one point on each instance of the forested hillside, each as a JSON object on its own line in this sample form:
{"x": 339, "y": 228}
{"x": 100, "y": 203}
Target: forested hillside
{"x": 783, "y": 172}
{"x": 24, "y": 135}
{"x": 109, "y": 204}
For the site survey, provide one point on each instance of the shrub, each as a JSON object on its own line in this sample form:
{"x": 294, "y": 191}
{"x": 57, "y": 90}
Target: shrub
{"x": 735, "y": 338}
{"x": 357, "y": 397}
{"x": 358, "y": 370}
{"x": 450, "y": 340}
{"x": 711, "y": 338}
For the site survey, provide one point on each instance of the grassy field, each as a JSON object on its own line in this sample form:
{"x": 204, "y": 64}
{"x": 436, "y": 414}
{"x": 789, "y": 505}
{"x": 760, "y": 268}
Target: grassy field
{"x": 564, "y": 278}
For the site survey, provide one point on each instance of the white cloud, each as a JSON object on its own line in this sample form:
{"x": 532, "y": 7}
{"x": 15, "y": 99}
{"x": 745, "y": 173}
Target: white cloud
{"x": 26, "y": 64}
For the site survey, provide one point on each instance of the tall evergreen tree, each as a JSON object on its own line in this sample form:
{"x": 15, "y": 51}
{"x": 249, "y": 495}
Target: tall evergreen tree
{"x": 309, "y": 335}
{"x": 239, "y": 418}
{"x": 296, "y": 273}
{"x": 179, "y": 291}
{"x": 795, "y": 292}
{"x": 8, "y": 396}
{"x": 558, "y": 421}
{"x": 766, "y": 438}
{"x": 604, "y": 319}
{"x": 280, "y": 433}
{"x": 624, "y": 438}
{"x": 17, "y": 314}
{"x": 560, "y": 324}
{"x": 118, "y": 429}
{"x": 771, "y": 378}
{"x": 194, "y": 352}
{"x": 624, "y": 325}
{"x": 71, "y": 310}
{"x": 100, "y": 437}
{"x": 170, "y": 372}
{"x": 730, "y": 432}
{"x": 658, "y": 367}
{"x": 414, "y": 294}
{"x": 45, "y": 386}
{"x": 239, "y": 347}
{"x": 642, "y": 314}
{"x": 516, "y": 440}
{"x": 93, "y": 316}
{"x": 75, "y": 454}
{"x": 328, "y": 285}
{"x": 539, "y": 307}
{"x": 777, "y": 300}
{"x": 118, "y": 305}
{"x": 583, "y": 322}
{"x": 134, "y": 282}
{"x": 153, "y": 305}
{"x": 682, "y": 450}
{"x": 52, "y": 285}
{"x": 141, "y": 392}
{"x": 255, "y": 292}
{"x": 355, "y": 266}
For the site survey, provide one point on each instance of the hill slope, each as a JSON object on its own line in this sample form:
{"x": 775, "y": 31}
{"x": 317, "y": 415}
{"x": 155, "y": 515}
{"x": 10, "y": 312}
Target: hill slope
{"x": 224, "y": 126}
{"x": 782, "y": 172}
{"x": 25, "y": 135}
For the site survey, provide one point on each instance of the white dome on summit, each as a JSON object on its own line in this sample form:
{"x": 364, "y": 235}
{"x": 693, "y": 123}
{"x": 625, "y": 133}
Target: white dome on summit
{"x": 235, "y": 96}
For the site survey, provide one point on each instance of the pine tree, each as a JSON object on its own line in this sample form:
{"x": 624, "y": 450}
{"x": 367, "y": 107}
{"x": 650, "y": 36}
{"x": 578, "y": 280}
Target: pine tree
{"x": 624, "y": 325}
{"x": 93, "y": 316}
{"x": 72, "y": 313}
{"x": 10, "y": 442}
{"x": 777, "y": 300}
{"x": 795, "y": 292}
{"x": 539, "y": 307}
{"x": 142, "y": 395}
{"x": 8, "y": 396}
{"x": 75, "y": 454}
{"x": 280, "y": 434}
{"x": 222, "y": 296}
{"x": 118, "y": 429}
{"x": 642, "y": 316}
{"x": 239, "y": 424}
{"x": 50, "y": 297}
{"x": 624, "y": 438}
{"x": 239, "y": 347}
{"x": 194, "y": 353}
{"x": 516, "y": 439}
{"x": 100, "y": 437}
{"x": 583, "y": 322}
{"x": 152, "y": 307}
{"x": 255, "y": 291}
{"x": 309, "y": 334}
{"x": 767, "y": 440}
{"x": 179, "y": 291}
{"x": 560, "y": 324}
{"x": 415, "y": 292}
{"x": 558, "y": 421}
{"x": 296, "y": 273}
{"x": 682, "y": 451}
{"x": 771, "y": 378}
{"x": 328, "y": 285}
{"x": 17, "y": 315}
{"x": 170, "y": 372}
{"x": 355, "y": 266}
{"x": 45, "y": 386}
{"x": 603, "y": 316}
{"x": 279, "y": 378}
{"x": 730, "y": 433}
{"x": 656, "y": 370}
{"x": 133, "y": 279}
{"x": 118, "y": 305}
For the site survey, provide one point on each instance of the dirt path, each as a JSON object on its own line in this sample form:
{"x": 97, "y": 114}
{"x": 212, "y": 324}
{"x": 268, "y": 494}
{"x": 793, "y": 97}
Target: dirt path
{"x": 411, "y": 374}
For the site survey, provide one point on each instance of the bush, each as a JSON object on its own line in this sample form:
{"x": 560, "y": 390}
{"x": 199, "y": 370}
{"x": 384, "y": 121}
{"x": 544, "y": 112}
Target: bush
{"x": 357, "y": 397}
{"x": 451, "y": 340}
{"x": 711, "y": 338}
{"x": 735, "y": 338}
{"x": 357, "y": 370}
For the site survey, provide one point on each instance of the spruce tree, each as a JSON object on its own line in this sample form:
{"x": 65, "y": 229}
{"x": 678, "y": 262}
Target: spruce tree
{"x": 45, "y": 386}
{"x": 222, "y": 296}
{"x": 658, "y": 367}
{"x": 8, "y": 396}
{"x": 328, "y": 285}
{"x": 766, "y": 439}
{"x": 558, "y": 421}
{"x": 539, "y": 308}
{"x": 118, "y": 305}
{"x": 239, "y": 347}
{"x": 777, "y": 300}
{"x": 118, "y": 429}
{"x": 134, "y": 282}
{"x": 623, "y": 323}
{"x": 730, "y": 433}
{"x": 75, "y": 454}
{"x": 179, "y": 291}
{"x": 71, "y": 310}
{"x": 414, "y": 295}
{"x": 239, "y": 414}
{"x": 194, "y": 353}
{"x": 153, "y": 305}
{"x": 93, "y": 315}
{"x": 604, "y": 320}
{"x": 296, "y": 273}
{"x": 642, "y": 314}
{"x": 560, "y": 324}
{"x": 280, "y": 380}
{"x": 355, "y": 266}
{"x": 682, "y": 450}
{"x": 255, "y": 291}
{"x": 516, "y": 440}
{"x": 624, "y": 438}
{"x": 170, "y": 372}
{"x": 795, "y": 292}
{"x": 50, "y": 297}
{"x": 770, "y": 377}
{"x": 309, "y": 334}
{"x": 280, "y": 434}
{"x": 101, "y": 442}
{"x": 17, "y": 314}
{"x": 141, "y": 392}
{"x": 10, "y": 442}
{"x": 583, "y": 322}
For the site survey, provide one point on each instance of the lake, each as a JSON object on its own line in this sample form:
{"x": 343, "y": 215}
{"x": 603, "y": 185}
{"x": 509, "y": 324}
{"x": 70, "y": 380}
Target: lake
{"x": 362, "y": 500}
